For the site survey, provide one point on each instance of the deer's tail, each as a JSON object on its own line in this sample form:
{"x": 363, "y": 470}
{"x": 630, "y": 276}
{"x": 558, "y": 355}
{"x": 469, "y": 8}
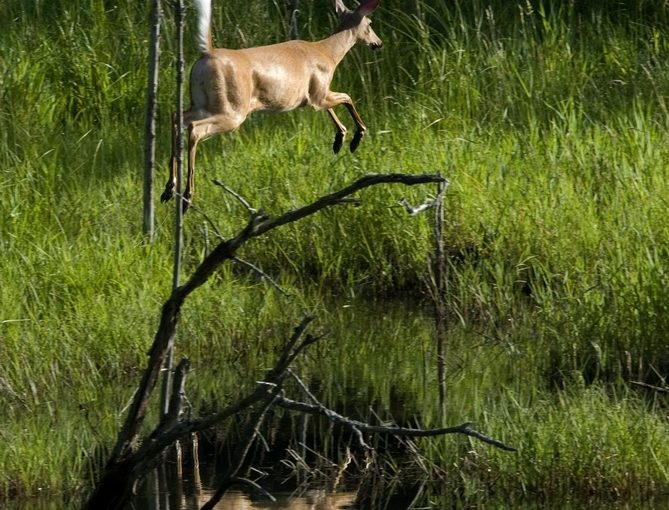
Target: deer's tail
{"x": 203, "y": 33}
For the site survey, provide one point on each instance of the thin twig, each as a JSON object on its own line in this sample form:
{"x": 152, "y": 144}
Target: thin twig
{"x": 192, "y": 206}
{"x": 240, "y": 199}
{"x": 428, "y": 204}
{"x": 236, "y": 481}
{"x": 647, "y": 386}
{"x": 250, "y": 432}
{"x": 261, "y": 273}
{"x": 464, "y": 428}
{"x": 304, "y": 387}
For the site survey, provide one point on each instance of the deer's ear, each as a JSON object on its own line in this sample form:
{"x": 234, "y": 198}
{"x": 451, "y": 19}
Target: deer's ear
{"x": 339, "y": 7}
{"x": 367, "y": 7}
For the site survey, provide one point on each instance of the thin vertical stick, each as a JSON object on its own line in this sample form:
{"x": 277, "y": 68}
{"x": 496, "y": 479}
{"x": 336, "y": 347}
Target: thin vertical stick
{"x": 293, "y": 11}
{"x": 440, "y": 291}
{"x": 178, "y": 221}
{"x": 178, "y": 237}
{"x": 150, "y": 122}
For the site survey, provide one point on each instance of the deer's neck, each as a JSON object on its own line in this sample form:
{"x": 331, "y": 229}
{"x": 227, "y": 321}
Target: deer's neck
{"x": 339, "y": 44}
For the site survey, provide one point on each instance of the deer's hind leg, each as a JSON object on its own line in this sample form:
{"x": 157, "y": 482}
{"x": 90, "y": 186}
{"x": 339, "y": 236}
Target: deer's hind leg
{"x": 199, "y": 130}
{"x": 168, "y": 193}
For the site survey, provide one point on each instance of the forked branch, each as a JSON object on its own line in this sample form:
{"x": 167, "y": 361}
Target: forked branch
{"x": 122, "y": 461}
{"x": 321, "y": 410}
{"x": 129, "y": 462}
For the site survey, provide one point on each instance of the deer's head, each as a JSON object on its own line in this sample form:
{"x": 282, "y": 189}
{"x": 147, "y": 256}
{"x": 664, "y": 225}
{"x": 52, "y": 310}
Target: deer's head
{"x": 358, "y": 22}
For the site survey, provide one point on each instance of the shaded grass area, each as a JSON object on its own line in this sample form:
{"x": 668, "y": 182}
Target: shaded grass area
{"x": 550, "y": 121}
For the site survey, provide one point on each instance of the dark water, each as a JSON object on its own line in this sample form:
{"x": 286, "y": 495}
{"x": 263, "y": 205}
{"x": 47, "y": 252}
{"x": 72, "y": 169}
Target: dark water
{"x": 235, "y": 500}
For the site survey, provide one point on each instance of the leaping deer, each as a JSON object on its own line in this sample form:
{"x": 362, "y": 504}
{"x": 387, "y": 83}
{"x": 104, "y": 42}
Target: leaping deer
{"x": 227, "y": 85}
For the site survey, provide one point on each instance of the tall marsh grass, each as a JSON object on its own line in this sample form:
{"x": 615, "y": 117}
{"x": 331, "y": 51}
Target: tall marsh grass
{"x": 550, "y": 120}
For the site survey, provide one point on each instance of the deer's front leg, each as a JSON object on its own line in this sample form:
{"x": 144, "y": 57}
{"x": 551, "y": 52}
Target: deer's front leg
{"x": 362, "y": 129}
{"x": 336, "y": 98}
{"x": 341, "y": 131}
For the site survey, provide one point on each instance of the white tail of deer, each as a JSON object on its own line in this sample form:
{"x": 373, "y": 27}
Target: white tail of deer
{"x": 227, "y": 85}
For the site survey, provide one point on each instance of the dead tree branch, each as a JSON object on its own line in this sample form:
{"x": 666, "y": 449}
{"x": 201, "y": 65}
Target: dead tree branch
{"x": 428, "y": 204}
{"x": 262, "y": 274}
{"x": 658, "y": 389}
{"x": 320, "y": 410}
{"x": 251, "y": 430}
{"x": 239, "y": 198}
{"x": 226, "y": 250}
{"x": 127, "y": 461}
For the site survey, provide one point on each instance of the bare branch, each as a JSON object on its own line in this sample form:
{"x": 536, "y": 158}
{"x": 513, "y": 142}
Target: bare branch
{"x": 178, "y": 394}
{"x": 262, "y": 274}
{"x": 647, "y": 386}
{"x": 240, "y": 199}
{"x": 116, "y": 483}
{"x": 428, "y": 204}
{"x": 202, "y": 213}
{"x": 336, "y": 197}
{"x": 258, "y": 224}
{"x": 464, "y": 428}
{"x": 230, "y": 482}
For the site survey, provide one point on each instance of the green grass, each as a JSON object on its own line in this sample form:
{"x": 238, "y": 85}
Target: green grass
{"x": 583, "y": 443}
{"x": 549, "y": 120}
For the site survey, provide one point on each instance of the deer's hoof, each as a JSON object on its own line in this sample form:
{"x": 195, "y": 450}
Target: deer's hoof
{"x": 338, "y": 142}
{"x": 167, "y": 194}
{"x": 185, "y": 204}
{"x": 356, "y": 140}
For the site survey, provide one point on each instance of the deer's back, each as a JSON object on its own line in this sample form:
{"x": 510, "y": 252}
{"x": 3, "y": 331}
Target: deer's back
{"x": 277, "y": 77}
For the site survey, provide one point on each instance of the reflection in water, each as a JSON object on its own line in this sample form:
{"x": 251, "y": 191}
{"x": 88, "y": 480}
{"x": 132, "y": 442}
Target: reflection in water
{"x": 159, "y": 495}
{"x": 234, "y": 500}
{"x": 189, "y": 484}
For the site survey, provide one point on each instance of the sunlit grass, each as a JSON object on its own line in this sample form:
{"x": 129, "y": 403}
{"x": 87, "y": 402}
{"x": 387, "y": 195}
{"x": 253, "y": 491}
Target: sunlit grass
{"x": 584, "y": 441}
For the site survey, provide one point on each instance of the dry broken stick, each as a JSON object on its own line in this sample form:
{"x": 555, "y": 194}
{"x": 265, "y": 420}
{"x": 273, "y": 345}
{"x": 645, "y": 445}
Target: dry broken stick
{"x": 319, "y": 409}
{"x": 325, "y": 411}
{"x": 124, "y": 465}
{"x": 658, "y": 389}
{"x": 240, "y": 199}
{"x": 226, "y": 250}
{"x": 262, "y": 274}
{"x": 428, "y": 204}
